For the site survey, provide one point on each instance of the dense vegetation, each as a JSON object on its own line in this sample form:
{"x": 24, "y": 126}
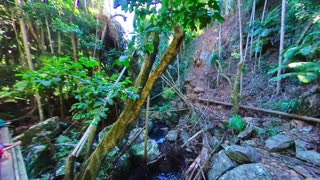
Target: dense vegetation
{"x": 71, "y": 59}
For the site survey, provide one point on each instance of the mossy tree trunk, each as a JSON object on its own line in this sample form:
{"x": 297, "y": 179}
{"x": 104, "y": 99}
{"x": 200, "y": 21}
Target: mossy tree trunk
{"x": 146, "y": 80}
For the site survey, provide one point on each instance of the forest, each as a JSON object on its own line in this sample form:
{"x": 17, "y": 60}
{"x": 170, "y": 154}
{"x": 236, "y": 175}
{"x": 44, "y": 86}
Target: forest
{"x": 159, "y": 89}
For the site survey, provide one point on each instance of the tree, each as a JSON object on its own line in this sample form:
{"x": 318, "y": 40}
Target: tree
{"x": 24, "y": 34}
{"x": 151, "y": 23}
{"x": 236, "y": 86}
{"x": 282, "y": 32}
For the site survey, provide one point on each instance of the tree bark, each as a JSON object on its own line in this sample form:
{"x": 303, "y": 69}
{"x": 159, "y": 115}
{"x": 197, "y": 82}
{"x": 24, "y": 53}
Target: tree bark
{"x": 131, "y": 110}
{"x": 74, "y": 47}
{"x": 49, "y": 36}
{"x": 59, "y": 43}
{"x": 283, "y": 19}
{"x": 236, "y": 87}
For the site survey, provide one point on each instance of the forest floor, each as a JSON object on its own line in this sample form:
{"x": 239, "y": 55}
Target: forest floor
{"x": 297, "y": 156}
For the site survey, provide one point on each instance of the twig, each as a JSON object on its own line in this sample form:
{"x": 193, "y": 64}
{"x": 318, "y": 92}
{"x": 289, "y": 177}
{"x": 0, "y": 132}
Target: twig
{"x": 195, "y": 135}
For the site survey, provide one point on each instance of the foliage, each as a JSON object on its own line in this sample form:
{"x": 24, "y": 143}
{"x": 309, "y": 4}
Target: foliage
{"x": 61, "y": 76}
{"x": 168, "y": 93}
{"x": 289, "y": 106}
{"x": 237, "y": 123}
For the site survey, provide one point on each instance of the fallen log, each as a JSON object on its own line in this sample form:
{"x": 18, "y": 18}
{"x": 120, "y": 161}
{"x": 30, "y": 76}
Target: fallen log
{"x": 288, "y": 115}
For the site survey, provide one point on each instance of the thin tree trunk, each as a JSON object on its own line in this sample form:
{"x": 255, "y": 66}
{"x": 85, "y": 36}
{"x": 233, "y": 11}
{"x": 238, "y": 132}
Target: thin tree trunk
{"x": 74, "y": 47}
{"x": 304, "y": 32}
{"x": 49, "y": 36}
{"x": 59, "y": 43}
{"x": 146, "y": 131}
{"x": 262, "y": 20}
{"x": 219, "y": 53}
{"x": 35, "y": 37}
{"x": 132, "y": 109}
{"x": 283, "y": 18}
{"x": 236, "y": 87}
{"x": 42, "y": 43}
{"x": 252, "y": 29}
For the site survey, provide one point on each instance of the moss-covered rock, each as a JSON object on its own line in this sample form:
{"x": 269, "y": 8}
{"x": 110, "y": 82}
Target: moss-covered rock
{"x": 49, "y": 128}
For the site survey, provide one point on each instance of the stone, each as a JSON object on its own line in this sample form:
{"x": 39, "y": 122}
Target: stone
{"x": 221, "y": 163}
{"x": 198, "y": 90}
{"x": 153, "y": 150}
{"x": 39, "y": 159}
{"x": 133, "y": 134}
{"x": 172, "y": 135}
{"x": 247, "y": 133}
{"x": 304, "y": 152}
{"x": 248, "y": 171}
{"x": 242, "y": 154}
{"x": 184, "y": 135}
{"x": 279, "y": 142}
{"x": 49, "y": 128}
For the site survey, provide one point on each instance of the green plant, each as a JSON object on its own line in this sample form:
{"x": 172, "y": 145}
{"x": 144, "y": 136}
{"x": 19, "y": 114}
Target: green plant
{"x": 167, "y": 93}
{"x": 273, "y": 131}
{"x": 288, "y": 106}
{"x": 237, "y": 123}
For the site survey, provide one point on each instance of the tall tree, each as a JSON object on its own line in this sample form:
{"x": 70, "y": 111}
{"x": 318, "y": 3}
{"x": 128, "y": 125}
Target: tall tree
{"x": 171, "y": 14}
{"x": 282, "y": 32}
{"x": 24, "y": 34}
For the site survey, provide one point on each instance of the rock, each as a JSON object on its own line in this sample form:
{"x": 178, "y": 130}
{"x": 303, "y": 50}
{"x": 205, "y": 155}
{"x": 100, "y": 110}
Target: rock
{"x": 247, "y": 133}
{"x": 303, "y": 152}
{"x": 249, "y": 143}
{"x": 133, "y": 134}
{"x": 39, "y": 159}
{"x": 49, "y": 128}
{"x": 172, "y": 135}
{"x": 153, "y": 150}
{"x": 220, "y": 164}
{"x": 279, "y": 142}
{"x": 184, "y": 135}
{"x": 198, "y": 90}
{"x": 248, "y": 171}
{"x": 103, "y": 132}
{"x": 242, "y": 154}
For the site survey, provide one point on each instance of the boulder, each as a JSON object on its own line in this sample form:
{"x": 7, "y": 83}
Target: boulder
{"x": 279, "y": 142}
{"x": 172, "y": 135}
{"x": 153, "y": 150}
{"x": 304, "y": 151}
{"x": 248, "y": 171}
{"x": 49, "y": 128}
{"x": 242, "y": 154}
{"x": 220, "y": 164}
{"x": 39, "y": 159}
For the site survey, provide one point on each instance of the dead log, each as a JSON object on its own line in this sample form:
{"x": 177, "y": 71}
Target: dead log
{"x": 288, "y": 115}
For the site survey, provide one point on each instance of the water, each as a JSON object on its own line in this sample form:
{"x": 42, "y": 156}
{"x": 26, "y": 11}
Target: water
{"x": 168, "y": 176}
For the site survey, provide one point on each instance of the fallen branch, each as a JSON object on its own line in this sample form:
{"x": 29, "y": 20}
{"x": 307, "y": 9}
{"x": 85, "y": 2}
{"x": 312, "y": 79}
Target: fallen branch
{"x": 190, "y": 139}
{"x": 294, "y": 116}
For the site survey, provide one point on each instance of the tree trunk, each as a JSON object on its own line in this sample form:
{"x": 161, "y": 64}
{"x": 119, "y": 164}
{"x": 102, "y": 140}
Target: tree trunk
{"x": 262, "y": 19}
{"x": 146, "y": 131}
{"x": 29, "y": 58}
{"x": 132, "y": 108}
{"x": 49, "y": 36}
{"x": 74, "y": 47}
{"x": 59, "y": 43}
{"x": 236, "y": 87}
{"x": 283, "y": 18}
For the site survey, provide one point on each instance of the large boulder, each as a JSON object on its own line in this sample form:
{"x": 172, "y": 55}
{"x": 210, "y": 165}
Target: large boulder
{"x": 153, "y": 149}
{"x": 279, "y": 142}
{"x": 242, "y": 154}
{"x": 221, "y": 163}
{"x": 40, "y": 132}
{"x": 248, "y": 171}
